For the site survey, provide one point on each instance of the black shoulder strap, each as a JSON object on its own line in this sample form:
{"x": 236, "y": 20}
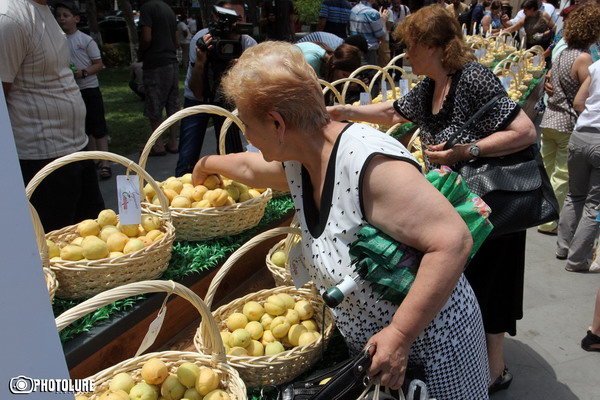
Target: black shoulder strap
{"x": 452, "y": 140}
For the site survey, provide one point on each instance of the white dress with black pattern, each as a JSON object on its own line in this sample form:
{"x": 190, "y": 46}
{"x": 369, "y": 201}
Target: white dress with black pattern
{"x": 452, "y": 348}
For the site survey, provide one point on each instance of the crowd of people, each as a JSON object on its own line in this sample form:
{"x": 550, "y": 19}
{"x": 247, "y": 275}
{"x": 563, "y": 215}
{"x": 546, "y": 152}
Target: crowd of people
{"x": 341, "y": 175}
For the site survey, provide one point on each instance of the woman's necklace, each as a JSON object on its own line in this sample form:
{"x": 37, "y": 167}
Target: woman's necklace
{"x": 445, "y": 90}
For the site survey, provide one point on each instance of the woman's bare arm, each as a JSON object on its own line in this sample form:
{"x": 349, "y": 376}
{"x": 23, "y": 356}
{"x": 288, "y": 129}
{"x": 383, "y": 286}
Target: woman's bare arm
{"x": 249, "y": 168}
{"x": 424, "y": 219}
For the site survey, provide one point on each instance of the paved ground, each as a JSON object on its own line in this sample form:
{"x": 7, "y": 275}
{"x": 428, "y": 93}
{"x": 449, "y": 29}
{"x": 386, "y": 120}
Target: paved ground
{"x": 545, "y": 357}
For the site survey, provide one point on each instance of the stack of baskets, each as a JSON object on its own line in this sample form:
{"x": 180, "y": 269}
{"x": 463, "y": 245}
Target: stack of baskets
{"x": 214, "y": 357}
{"x": 85, "y": 278}
{"x": 283, "y": 367}
{"x": 205, "y": 223}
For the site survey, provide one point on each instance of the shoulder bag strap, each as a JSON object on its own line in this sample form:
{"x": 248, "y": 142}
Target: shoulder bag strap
{"x": 452, "y": 140}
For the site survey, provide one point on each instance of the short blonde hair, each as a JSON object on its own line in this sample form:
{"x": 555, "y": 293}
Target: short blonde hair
{"x": 436, "y": 27}
{"x": 274, "y": 76}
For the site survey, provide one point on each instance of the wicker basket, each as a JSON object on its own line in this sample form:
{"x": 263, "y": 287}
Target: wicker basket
{"x": 206, "y": 223}
{"x": 79, "y": 279}
{"x": 49, "y": 276}
{"x": 282, "y": 367}
{"x": 51, "y": 282}
{"x": 281, "y": 275}
{"x": 213, "y": 358}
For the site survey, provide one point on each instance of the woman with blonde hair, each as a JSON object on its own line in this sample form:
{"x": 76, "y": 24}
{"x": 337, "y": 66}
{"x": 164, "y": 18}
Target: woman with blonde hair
{"x": 454, "y": 89}
{"x": 342, "y": 176}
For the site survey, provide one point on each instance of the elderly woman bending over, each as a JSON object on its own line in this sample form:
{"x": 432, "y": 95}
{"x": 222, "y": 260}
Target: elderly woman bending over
{"x": 454, "y": 89}
{"x": 342, "y": 176}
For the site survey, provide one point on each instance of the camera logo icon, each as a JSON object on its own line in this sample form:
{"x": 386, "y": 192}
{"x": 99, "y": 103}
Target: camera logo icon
{"x": 21, "y": 385}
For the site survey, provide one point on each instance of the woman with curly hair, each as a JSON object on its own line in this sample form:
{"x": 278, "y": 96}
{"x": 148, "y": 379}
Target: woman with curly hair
{"x": 577, "y": 228}
{"x": 454, "y": 89}
{"x": 569, "y": 70}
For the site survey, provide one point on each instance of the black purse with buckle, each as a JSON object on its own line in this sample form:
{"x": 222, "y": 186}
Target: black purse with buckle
{"x": 348, "y": 380}
{"x": 515, "y": 186}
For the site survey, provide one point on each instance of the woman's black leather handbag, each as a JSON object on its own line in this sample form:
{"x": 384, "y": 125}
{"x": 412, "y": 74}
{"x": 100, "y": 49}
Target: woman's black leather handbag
{"x": 515, "y": 186}
{"x": 348, "y": 380}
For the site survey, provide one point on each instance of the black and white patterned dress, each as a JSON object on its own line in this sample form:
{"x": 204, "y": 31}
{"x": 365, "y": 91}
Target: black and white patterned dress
{"x": 452, "y": 347}
{"x": 496, "y": 273}
{"x": 470, "y": 89}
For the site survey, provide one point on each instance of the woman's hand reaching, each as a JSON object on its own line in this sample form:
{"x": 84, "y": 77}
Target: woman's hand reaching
{"x": 389, "y": 357}
{"x": 338, "y": 112}
{"x": 437, "y": 154}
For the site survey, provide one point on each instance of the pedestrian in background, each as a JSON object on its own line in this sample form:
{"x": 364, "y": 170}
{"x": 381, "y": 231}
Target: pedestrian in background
{"x": 569, "y": 71}
{"x": 184, "y": 40}
{"x": 158, "y": 52}
{"x": 46, "y": 111}
{"x": 366, "y": 21}
{"x": 334, "y": 17}
{"x": 85, "y": 56}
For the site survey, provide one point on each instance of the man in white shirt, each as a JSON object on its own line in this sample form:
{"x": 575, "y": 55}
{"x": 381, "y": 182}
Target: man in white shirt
{"x": 46, "y": 111}
{"x": 184, "y": 40}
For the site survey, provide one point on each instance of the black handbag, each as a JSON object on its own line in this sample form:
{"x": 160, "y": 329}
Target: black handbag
{"x": 515, "y": 186}
{"x": 348, "y": 380}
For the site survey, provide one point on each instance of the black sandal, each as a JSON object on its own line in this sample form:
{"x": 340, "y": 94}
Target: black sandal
{"x": 590, "y": 340}
{"x": 502, "y": 382}
{"x": 104, "y": 173}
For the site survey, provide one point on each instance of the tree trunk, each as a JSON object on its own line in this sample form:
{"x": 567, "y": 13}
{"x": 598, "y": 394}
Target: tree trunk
{"x": 125, "y": 6}
{"x": 90, "y": 6}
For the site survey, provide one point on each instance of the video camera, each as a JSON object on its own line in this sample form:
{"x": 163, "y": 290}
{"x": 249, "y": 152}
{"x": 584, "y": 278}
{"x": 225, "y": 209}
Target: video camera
{"x": 226, "y": 23}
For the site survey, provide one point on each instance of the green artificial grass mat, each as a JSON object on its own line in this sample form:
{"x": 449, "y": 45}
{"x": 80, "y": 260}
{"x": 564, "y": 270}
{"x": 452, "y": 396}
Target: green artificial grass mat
{"x": 187, "y": 258}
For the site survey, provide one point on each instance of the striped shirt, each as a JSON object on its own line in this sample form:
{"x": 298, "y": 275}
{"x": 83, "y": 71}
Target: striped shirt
{"x": 47, "y": 113}
{"x": 337, "y": 14}
{"x": 366, "y": 21}
{"x": 329, "y": 39}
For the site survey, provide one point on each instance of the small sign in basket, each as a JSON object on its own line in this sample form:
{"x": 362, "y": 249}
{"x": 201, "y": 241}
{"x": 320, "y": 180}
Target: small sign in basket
{"x": 85, "y": 278}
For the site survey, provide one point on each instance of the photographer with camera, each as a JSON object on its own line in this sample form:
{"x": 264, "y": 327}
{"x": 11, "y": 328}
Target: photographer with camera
{"x": 212, "y": 52}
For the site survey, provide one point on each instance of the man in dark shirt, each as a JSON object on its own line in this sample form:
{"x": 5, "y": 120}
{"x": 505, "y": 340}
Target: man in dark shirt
{"x": 334, "y": 17}
{"x": 477, "y": 15}
{"x": 158, "y": 52}
{"x": 278, "y": 16}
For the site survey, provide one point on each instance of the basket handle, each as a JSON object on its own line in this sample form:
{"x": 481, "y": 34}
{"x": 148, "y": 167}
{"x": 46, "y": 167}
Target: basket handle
{"x": 225, "y": 128}
{"x": 336, "y": 93}
{"x": 393, "y": 60}
{"x": 347, "y": 82}
{"x": 100, "y": 155}
{"x": 40, "y": 237}
{"x": 380, "y": 71}
{"x": 213, "y": 341}
{"x": 186, "y": 112}
{"x": 239, "y": 253}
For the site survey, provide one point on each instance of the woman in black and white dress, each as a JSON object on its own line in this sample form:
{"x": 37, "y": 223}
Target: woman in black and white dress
{"x": 455, "y": 88}
{"x": 342, "y": 176}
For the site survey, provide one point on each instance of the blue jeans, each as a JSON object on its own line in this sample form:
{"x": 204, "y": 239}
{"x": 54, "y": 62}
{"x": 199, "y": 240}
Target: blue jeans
{"x": 191, "y": 137}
